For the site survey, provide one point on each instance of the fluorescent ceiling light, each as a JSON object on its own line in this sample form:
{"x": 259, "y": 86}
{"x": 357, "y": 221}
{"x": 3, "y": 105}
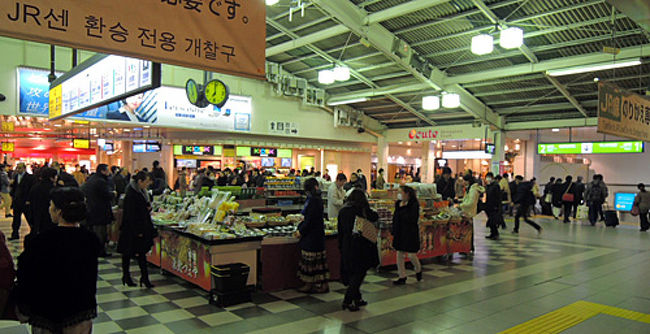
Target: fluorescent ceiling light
{"x": 342, "y": 73}
{"x": 326, "y": 77}
{"x": 451, "y": 100}
{"x": 431, "y": 102}
{"x": 459, "y": 155}
{"x": 511, "y": 38}
{"x": 336, "y": 103}
{"x": 482, "y": 44}
{"x": 271, "y": 2}
{"x": 555, "y": 130}
{"x": 594, "y": 68}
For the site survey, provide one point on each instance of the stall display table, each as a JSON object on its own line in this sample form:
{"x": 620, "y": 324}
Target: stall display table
{"x": 437, "y": 238}
{"x": 279, "y": 261}
{"x": 190, "y": 257}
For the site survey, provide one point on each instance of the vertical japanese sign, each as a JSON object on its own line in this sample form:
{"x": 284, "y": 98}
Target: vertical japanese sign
{"x": 226, "y": 36}
{"x": 623, "y": 113}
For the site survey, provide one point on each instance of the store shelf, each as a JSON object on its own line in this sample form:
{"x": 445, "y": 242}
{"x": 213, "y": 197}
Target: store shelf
{"x": 283, "y": 197}
{"x": 283, "y": 189}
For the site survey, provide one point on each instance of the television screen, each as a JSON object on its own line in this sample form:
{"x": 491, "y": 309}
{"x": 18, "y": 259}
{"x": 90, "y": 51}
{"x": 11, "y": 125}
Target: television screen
{"x": 286, "y": 162}
{"x": 490, "y": 148}
{"x": 268, "y": 162}
{"x": 188, "y": 163}
{"x": 216, "y": 164}
{"x": 153, "y": 147}
{"x": 624, "y": 201}
{"x": 139, "y": 148}
{"x": 108, "y": 147}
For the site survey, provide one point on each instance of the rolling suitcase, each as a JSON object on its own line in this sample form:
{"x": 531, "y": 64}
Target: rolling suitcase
{"x": 611, "y": 218}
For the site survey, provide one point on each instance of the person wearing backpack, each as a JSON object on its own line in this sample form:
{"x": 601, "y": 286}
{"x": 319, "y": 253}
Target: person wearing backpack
{"x": 595, "y": 195}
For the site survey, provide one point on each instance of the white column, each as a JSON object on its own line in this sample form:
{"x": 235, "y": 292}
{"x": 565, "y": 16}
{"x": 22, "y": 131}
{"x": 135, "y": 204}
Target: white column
{"x": 499, "y": 153}
{"x": 428, "y": 162}
{"x": 382, "y": 154}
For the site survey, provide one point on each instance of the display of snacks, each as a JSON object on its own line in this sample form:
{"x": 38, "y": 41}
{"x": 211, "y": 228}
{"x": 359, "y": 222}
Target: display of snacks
{"x": 282, "y": 183}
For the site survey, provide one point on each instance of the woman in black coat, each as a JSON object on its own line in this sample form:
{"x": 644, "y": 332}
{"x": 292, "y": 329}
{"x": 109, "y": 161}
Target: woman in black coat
{"x": 406, "y": 232}
{"x": 568, "y": 187}
{"x": 137, "y": 231}
{"x": 57, "y": 272}
{"x": 557, "y": 190}
{"x": 358, "y": 254}
{"x": 313, "y": 269}
{"x": 39, "y": 201}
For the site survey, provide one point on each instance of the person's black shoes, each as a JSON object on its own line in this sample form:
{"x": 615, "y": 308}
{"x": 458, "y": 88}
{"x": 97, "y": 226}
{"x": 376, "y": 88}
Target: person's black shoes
{"x": 492, "y": 237}
{"x": 14, "y": 237}
{"x": 127, "y": 281}
{"x": 352, "y": 307}
{"x": 515, "y": 232}
{"x": 362, "y": 303}
{"x": 146, "y": 283}
{"x": 400, "y": 281}
{"x": 418, "y": 276}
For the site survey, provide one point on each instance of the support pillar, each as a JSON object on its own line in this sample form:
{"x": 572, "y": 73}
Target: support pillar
{"x": 382, "y": 154}
{"x": 428, "y": 167}
{"x": 499, "y": 152}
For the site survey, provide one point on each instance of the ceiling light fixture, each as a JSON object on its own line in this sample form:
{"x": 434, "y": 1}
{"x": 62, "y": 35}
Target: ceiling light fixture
{"x": 341, "y": 73}
{"x": 595, "y": 67}
{"x": 350, "y": 101}
{"x": 431, "y": 102}
{"x": 272, "y": 2}
{"x": 555, "y": 130}
{"x": 451, "y": 100}
{"x": 326, "y": 77}
{"x": 511, "y": 38}
{"x": 482, "y": 44}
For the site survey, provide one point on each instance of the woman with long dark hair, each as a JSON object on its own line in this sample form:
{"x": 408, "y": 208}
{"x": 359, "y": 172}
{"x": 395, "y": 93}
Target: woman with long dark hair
{"x": 57, "y": 272}
{"x": 358, "y": 254}
{"x": 313, "y": 270}
{"x": 406, "y": 232}
{"x": 137, "y": 231}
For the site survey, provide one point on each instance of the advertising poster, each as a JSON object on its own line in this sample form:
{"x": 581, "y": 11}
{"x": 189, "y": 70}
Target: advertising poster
{"x": 154, "y": 254}
{"x": 33, "y": 92}
{"x": 459, "y": 236}
{"x": 434, "y": 241}
{"x": 622, "y": 113}
{"x": 186, "y": 258}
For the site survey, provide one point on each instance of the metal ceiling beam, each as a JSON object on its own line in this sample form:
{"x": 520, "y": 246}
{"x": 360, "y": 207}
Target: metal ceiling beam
{"x": 384, "y": 40}
{"x": 564, "y": 123}
{"x": 567, "y": 94}
{"x": 387, "y": 14}
{"x": 544, "y": 107}
{"x": 559, "y": 63}
{"x": 298, "y": 28}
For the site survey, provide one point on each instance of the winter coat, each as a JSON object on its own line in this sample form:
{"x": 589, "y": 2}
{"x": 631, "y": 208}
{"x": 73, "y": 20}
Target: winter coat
{"x": 557, "y": 190}
{"x": 4, "y": 182}
{"x": 579, "y": 192}
{"x": 568, "y": 188}
{"x": 57, "y": 278}
{"x": 39, "y": 205}
{"x": 67, "y": 180}
{"x": 596, "y": 192}
{"x": 446, "y": 188}
{"x": 357, "y": 253}
{"x": 642, "y": 200}
{"x": 20, "y": 191}
{"x": 523, "y": 194}
{"x": 380, "y": 182}
{"x": 312, "y": 228}
{"x": 335, "y": 199}
{"x": 493, "y": 199}
{"x": 99, "y": 197}
{"x": 406, "y": 231}
{"x": 120, "y": 184}
{"x": 137, "y": 231}
{"x": 469, "y": 206}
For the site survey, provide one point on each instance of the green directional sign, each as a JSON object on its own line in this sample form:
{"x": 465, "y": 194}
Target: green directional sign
{"x": 591, "y": 148}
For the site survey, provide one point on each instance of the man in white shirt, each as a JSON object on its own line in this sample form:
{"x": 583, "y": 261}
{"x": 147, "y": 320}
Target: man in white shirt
{"x": 336, "y": 196}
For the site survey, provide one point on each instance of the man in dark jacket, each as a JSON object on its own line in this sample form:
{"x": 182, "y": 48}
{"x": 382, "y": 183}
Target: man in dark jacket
{"x": 64, "y": 179}
{"x": 39, "y": 201}
{"x": 568, "y": 188}
{"x": 22, "y": 184}
{"x": 99, "y": 196}
{"x": 523, "y": 199}
{"x": 445, "y": 186}
{"x": 493, "y": 207}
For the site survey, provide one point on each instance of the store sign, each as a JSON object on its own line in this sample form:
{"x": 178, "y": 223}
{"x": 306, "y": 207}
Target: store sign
{"x": 33, "y": 91}
{"x": 435, "y": 133}
{"x": 264, "y": 152}
{"x": 591, "y": 148}
{"x": 7, "y": 147}
{"x": 623, "y": 113}
{"x": 99, "y": 81}
{"x": 8, "y": 126}
{"x": 194, "y": 150}
{"x": 81, "y": 143}
{"x": 168, "y": 107}
{"x": 226, "y": 36}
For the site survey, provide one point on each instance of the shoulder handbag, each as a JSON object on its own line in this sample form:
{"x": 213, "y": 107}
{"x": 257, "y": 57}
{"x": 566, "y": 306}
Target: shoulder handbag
{"x": 568, "y": 197}
{"x": 366, "y": 229}
{"x": 635, "y": 210}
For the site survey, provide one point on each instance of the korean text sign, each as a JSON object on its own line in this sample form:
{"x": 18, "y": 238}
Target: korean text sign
{"x": 226, "y": 36}
{"x": 622, "y": 113}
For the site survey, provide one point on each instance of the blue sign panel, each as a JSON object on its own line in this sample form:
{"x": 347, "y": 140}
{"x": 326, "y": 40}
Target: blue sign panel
{"x": 33, "y": 92}
{"x": 624, "y": 201}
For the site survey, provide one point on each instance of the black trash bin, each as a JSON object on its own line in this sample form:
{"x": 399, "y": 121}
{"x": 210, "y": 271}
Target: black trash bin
{"x": 229, "y": 284}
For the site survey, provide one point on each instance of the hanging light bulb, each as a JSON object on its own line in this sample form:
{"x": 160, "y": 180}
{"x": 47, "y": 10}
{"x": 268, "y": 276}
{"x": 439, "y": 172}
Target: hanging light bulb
{"x": 482, "y": 44}
{"x": 431, "y": 102}
{"x": 342, "y": 73}
{"x": 326, "y": 77}
{"x": 271, "y": 2}
{"x": 511, "y": 38}
{"x": 451, "y": 100}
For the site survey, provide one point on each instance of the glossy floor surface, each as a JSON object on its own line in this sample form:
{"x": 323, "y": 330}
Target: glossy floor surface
{"x": 574, "y": 278}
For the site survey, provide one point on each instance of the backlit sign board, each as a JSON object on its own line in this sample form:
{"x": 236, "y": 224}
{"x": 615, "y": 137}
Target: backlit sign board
{"x": 592, "y": 148}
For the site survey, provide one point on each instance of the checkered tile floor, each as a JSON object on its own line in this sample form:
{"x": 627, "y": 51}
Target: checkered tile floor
{"x": 177, "y": 307}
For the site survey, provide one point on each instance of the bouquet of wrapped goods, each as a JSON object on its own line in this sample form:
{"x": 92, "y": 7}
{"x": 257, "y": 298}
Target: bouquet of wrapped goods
{"x": 295, "y": 218}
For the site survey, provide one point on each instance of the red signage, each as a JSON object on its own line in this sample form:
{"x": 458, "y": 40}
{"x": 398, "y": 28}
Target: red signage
{"x": 430, "y": 134}
{"x": 186, "y": 258}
